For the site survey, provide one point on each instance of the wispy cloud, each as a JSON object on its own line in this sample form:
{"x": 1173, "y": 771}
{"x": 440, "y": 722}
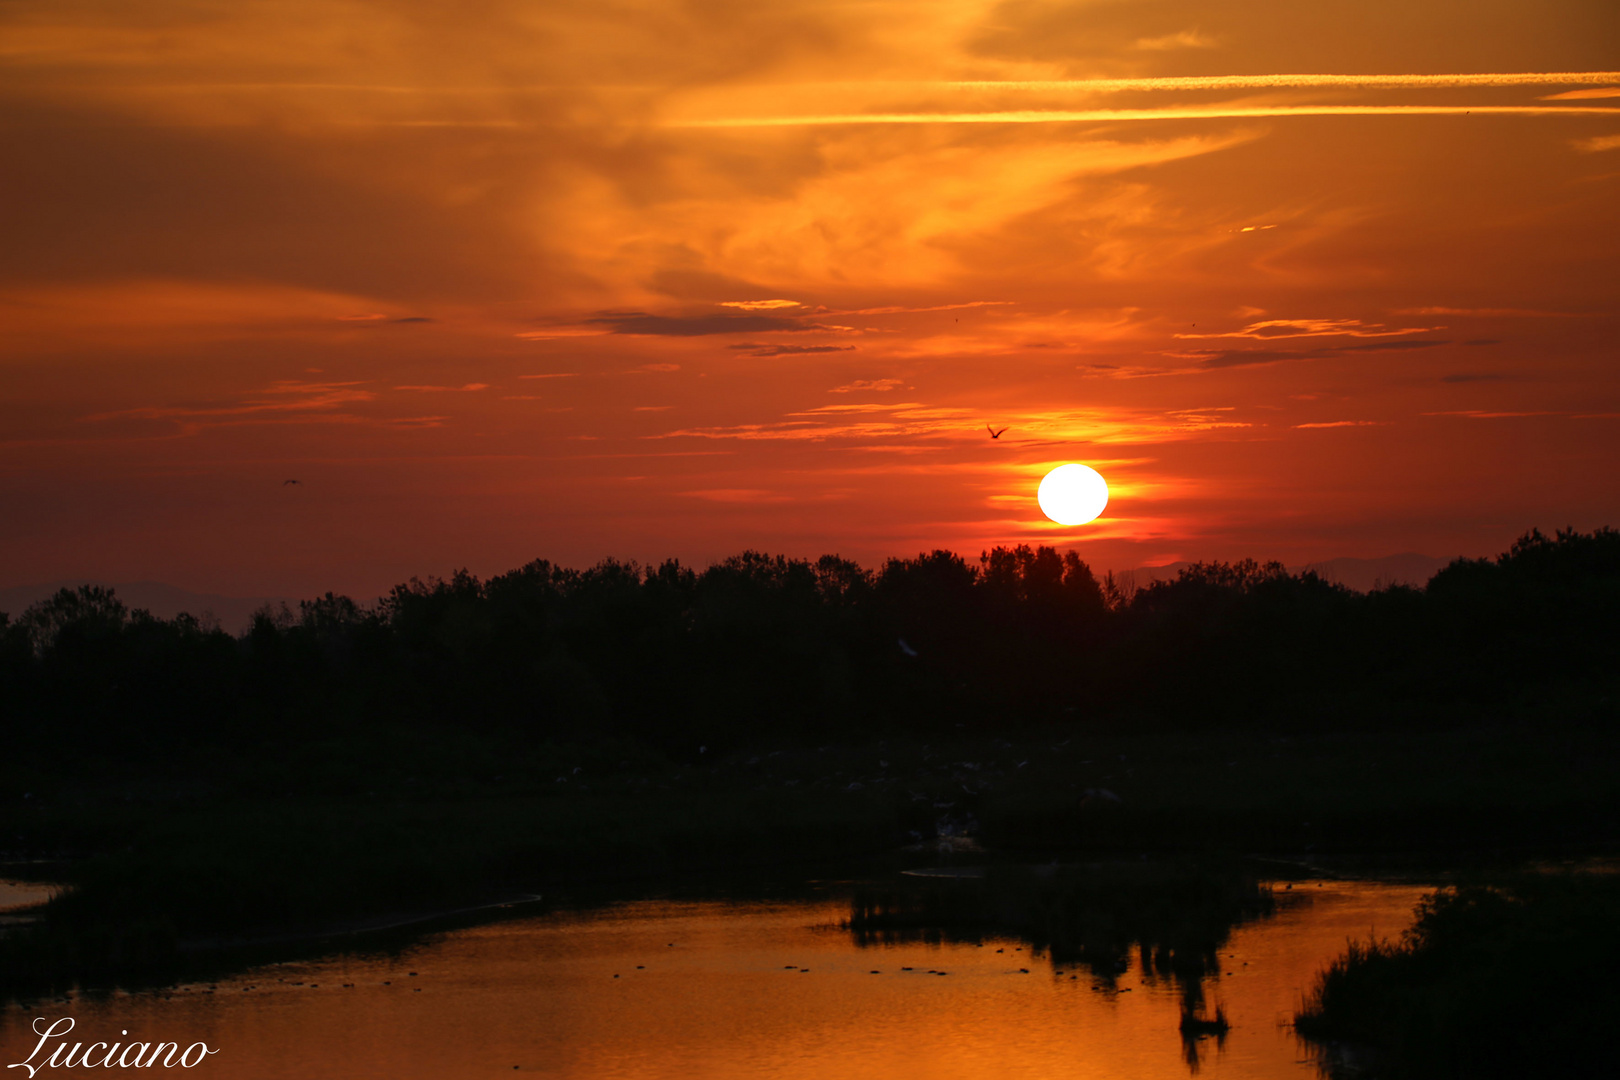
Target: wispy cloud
{"x": 1229, "y": 358}
{"x": 1268, "y": 329}
{"x": 879, "y": 385}
{"x": 760, "y": 305}
{"x": 756, "y": 348}
{"x": 640, "y": 323}
{"x": 446, "y": 389}
{"x": 377, "y": 317}
{"x": 292, "y": 396}
{"x": 737, "y": 495}
{"x": 1597, "y": 144}
{"x": 1176, "y": 112}
{"x": 1494, "y": 313}
{"x": 1184, "y": 39}
{"x": 282, "y": 402}
{"x": 912, "y": 427}
{"x": 1344, "y": 424}
{"x": 1585, "y": 95}
{"x": 563, "y": 331}
{"x": 1302, "y": 81}
{"x": 1483, "y": 414}
{"x": 935, "y": 307}
{"x": 1223, "y": 358}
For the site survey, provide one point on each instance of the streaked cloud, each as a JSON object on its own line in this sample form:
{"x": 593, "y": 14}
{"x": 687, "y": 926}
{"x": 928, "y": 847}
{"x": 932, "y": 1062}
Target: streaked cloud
{"x": 876, "y": 385}
{"x": 1587, "y": 94}
{"x": 447, "y": 389}
{"x": 1597, "y": 143}
{"x": 1486, "y": 312}
{"x": 139, "y": 308}
{"x": 1298, "y": 328}
{"x": 737, "y": 495}
{"x": 923, "y": 427}
{"x": 643, "y": 324}
{"x": 287, "y": 396}
{"x": 1181, "y": 39}
{"x": 1105, "y": 116}
{"x": 1215, "y": 359}
{"x": 756, "y": 348}
{"x": 1308, "y": 82}
{"x": 1486, "y": 414}
{"x": 282, "y": 402}
{"x": 933, "y": 307}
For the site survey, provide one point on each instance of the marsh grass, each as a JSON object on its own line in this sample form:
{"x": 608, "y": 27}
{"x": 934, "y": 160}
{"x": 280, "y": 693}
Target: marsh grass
{"x": 1509, "y": 980}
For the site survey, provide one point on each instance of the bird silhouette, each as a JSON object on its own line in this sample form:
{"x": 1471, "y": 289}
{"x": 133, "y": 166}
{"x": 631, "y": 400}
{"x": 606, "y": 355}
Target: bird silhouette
{"x": 284, "y": 483}
{"x": 994, "y": 434}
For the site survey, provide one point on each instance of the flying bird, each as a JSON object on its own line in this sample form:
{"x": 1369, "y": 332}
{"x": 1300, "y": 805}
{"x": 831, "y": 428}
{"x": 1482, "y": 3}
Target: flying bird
{"x": 284, "y": 483}
{"x": 994, "y": 434}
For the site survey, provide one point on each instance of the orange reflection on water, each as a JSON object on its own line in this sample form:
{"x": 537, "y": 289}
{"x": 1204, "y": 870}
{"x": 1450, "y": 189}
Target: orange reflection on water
{"x": 648, "y": 991}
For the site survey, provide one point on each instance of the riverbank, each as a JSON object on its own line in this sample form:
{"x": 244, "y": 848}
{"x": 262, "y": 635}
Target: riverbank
{"x": 162, "y": 864}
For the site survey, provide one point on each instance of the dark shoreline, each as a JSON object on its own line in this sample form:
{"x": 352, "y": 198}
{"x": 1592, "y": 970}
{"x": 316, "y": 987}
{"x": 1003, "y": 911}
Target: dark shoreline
{"x": 182, "y": 879}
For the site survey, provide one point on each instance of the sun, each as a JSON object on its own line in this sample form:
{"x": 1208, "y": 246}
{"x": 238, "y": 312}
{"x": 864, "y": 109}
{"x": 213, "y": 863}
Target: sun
{"x": 1072, "y": 494}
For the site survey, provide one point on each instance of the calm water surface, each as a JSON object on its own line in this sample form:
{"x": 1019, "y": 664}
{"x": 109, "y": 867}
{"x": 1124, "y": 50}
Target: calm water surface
{"x": 744, "y": 990}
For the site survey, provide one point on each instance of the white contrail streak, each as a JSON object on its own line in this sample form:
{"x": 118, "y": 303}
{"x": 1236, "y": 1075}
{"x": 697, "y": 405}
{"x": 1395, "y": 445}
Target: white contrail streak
{"x": 1216, "y": 112}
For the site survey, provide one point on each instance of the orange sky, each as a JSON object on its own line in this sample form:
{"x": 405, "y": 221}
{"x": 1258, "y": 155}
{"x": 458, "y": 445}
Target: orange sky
{"x": 500, "y": 280}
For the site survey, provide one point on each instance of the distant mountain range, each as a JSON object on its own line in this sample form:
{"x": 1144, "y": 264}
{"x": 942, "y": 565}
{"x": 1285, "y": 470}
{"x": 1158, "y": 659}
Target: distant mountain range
{"x": 233, "y": 613}
{"x": 1362, "y": 575}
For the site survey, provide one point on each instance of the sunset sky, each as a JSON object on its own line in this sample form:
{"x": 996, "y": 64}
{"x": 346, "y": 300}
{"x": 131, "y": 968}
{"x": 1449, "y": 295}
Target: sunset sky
{"x": 504, "y": 280}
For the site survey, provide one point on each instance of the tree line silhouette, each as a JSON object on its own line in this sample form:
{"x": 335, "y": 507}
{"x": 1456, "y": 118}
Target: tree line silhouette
{"x": 761, "y": 649}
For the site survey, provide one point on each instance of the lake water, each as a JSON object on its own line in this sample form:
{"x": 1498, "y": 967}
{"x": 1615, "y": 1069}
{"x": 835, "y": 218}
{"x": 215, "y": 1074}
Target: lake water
{"x": 658, "y": 989}
{"x": 19, "y": 895}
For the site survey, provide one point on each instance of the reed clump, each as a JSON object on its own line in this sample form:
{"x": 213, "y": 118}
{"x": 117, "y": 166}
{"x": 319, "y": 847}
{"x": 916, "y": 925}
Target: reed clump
{"x": 1500, "y": 980}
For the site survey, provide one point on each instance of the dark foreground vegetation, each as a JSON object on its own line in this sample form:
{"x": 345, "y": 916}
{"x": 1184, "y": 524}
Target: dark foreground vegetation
{"x": 469, "y": 740}
{"x": 1510, "y": 980}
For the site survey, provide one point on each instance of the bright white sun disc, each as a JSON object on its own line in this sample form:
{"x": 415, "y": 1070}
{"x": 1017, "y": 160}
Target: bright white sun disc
{"x": 1072, "y": 494}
